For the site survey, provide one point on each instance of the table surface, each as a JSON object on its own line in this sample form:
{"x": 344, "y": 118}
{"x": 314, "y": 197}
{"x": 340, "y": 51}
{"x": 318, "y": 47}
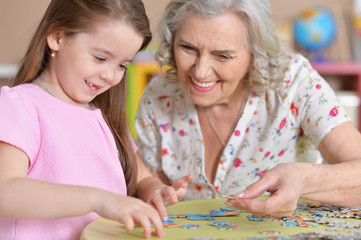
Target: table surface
{"x": 103, "y": 229}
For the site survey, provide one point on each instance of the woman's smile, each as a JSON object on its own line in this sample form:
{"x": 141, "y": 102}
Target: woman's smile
{"x": 204, "y": 86}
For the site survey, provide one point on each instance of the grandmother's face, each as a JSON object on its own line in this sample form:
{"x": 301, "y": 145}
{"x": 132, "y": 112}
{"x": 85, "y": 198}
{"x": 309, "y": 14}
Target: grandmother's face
{"x": 211, "y": 58}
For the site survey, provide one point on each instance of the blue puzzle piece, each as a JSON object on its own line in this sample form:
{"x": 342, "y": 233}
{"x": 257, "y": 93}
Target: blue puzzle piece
{"x": 199, "y": 217}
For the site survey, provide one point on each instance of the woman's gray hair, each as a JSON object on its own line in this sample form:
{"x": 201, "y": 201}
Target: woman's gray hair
{"x": 268, "y": 59}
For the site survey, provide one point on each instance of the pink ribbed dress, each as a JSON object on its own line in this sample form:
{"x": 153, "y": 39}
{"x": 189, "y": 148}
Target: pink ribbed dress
{"x": 65, "y": 144}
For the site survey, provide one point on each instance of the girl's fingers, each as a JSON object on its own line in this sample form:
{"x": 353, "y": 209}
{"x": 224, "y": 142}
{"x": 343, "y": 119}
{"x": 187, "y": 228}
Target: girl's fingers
{"x": 144, "y": 222}
{"x": 171, "y": 194}
{"x": 158, "y": 203}
{"x": 154, "y": 218}
{"x": 182, "y": 183}
{"x": 187, "y": 178}
{"x": 128, "y": 222}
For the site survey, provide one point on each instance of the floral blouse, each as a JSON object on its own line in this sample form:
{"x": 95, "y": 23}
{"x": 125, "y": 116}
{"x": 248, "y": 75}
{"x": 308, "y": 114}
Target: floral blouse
{"x": 275, "y": 127}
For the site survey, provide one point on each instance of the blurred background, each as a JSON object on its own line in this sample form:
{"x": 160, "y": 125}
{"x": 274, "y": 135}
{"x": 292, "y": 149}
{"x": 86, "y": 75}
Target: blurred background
{"x": 328, "y": 32}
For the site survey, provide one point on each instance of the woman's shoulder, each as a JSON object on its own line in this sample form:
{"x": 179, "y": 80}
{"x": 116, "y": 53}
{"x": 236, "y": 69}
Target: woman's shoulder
{"x": 298, "y": 72}
{"x": 298, "y": 66}
{"x": 158, "y": 87}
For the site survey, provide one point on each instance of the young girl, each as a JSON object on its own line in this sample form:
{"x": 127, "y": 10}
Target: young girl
{"x": 63, "y": 129}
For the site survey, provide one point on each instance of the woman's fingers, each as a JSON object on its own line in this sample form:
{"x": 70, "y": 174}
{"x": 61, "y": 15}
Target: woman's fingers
{"x": 282, "y": 202}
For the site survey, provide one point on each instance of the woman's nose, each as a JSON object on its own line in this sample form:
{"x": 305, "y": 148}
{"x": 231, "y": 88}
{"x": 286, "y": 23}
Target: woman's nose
{"x": 202, "y": 68}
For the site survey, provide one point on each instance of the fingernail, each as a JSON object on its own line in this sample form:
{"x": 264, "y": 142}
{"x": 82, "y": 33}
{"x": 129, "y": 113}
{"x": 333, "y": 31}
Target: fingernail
{"x": 240, "y": 195}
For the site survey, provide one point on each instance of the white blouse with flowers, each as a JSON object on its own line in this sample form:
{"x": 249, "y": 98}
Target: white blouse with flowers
{"x": 276, "y": 127}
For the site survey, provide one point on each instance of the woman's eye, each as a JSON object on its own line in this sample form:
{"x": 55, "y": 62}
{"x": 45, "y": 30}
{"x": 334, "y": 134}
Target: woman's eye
{"x": 224, "y": 57}
{"x": 186, "y": 47}
{"x": 100, "y": 59}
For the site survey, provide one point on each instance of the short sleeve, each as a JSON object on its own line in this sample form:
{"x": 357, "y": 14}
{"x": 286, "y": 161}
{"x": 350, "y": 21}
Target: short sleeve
{"x": 148, "y": 138}
{"x": 314, "y": 104}
{"x": 134, "y": 146}
{"x": 19, "y": 124}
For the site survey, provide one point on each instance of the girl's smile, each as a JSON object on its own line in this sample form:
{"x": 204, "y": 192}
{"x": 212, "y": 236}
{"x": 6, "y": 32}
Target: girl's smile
{"x": 89, "y": 63}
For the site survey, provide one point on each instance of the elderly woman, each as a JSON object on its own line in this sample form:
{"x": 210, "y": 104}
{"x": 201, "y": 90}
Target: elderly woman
{"x": 233, "y": 106}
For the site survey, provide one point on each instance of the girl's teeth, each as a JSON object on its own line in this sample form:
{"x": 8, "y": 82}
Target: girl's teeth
{"x": 91, "y": 85}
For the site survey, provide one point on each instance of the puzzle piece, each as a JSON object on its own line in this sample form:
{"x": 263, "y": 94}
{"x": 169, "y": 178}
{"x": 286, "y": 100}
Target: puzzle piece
{"x": 270, "y": 232}
{"x": 199, "y": 217}
{"x": 224, "y": 225}
{"x": 191, "y": 226}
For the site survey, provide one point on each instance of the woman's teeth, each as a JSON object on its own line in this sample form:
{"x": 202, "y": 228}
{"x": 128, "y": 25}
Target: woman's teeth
{"x": 203, "y": 84}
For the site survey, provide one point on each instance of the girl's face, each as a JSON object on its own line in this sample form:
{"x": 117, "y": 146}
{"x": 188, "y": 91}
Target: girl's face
{"x": 89, "y": 63}
{"x": 211, "y": 58}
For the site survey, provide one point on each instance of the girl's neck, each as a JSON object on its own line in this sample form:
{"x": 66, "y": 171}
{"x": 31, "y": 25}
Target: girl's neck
{"x": 54, "y": 89}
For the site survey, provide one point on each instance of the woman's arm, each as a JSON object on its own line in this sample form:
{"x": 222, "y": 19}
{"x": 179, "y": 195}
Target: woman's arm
{"x": 338, "y": 183}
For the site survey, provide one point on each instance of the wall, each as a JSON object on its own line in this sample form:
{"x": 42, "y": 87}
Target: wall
{"x": 19, "y": 18}
{"x": 286, "y": 9}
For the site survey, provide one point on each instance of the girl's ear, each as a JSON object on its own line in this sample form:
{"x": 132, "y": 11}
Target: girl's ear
{"x": 54, "y": 40}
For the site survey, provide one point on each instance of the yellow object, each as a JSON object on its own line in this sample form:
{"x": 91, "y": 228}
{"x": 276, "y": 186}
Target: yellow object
{"x": 138, "y": 76}
{"x": 103, "y": 229}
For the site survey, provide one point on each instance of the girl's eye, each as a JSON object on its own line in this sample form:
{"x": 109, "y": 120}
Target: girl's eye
{"x": 123, "y": 67}
{"x": 100, "y": 59}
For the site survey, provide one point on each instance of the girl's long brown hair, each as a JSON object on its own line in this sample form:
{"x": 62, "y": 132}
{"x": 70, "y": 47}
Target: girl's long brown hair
{"x": 73, "y": 16}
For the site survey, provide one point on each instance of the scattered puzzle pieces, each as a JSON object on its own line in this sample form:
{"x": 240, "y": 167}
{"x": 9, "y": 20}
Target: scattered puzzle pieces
{"x": 306, "y": 215}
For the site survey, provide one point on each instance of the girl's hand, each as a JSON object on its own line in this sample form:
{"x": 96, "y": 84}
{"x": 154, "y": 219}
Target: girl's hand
{"x": 180, "y": 186}
{"x": 129, "y": 211}
{"x": 165, "y": 196}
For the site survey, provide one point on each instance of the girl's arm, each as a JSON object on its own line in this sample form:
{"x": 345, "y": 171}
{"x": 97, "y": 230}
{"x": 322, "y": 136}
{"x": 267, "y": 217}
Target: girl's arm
{"x": 22, "y": 197}
{"x": 156, "y": 193}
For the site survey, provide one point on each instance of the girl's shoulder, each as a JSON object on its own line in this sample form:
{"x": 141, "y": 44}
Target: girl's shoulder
{"x": 22, "y": 92}
{"x": 22, "y": 89}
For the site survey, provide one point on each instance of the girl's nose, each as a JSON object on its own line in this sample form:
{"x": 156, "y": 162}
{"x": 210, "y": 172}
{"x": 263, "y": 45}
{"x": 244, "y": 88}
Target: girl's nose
{"x": 107, "y": 74}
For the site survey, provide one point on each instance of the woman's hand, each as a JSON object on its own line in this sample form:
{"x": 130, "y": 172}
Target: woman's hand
{"x": 285, "y": 183}
{"x": 129, "y": 211}
{"x": 168, "y": 195}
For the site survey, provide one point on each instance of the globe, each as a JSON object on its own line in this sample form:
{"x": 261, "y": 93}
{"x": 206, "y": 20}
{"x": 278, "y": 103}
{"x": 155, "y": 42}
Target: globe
{"x": 314, "y": 29}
